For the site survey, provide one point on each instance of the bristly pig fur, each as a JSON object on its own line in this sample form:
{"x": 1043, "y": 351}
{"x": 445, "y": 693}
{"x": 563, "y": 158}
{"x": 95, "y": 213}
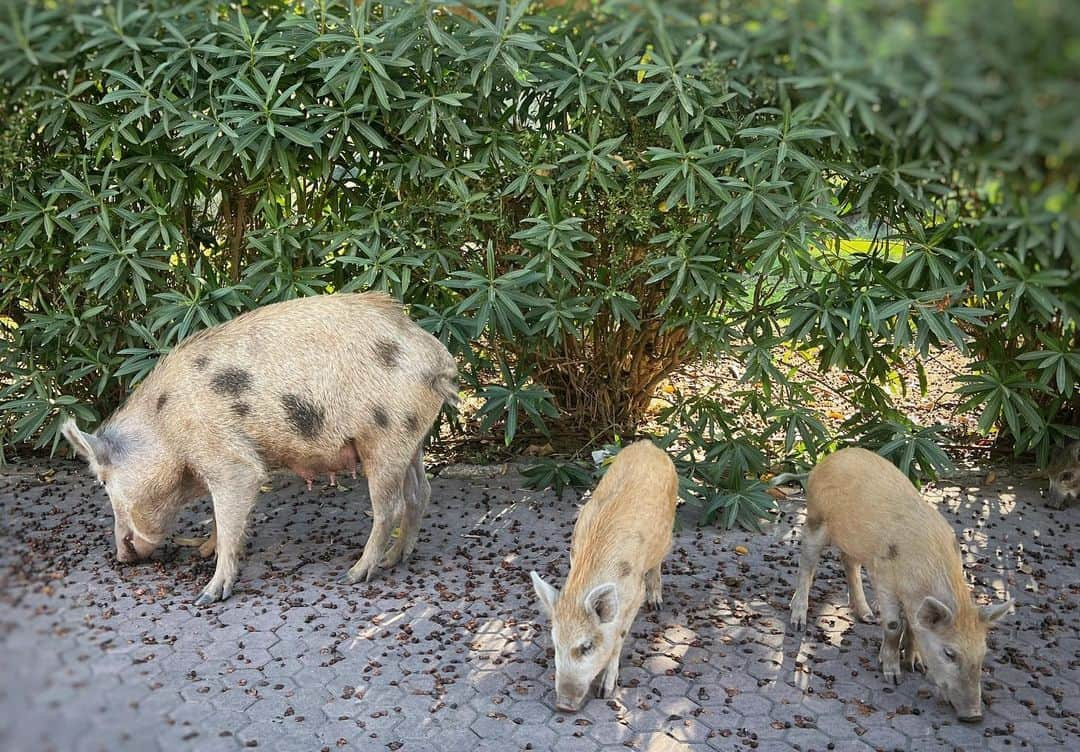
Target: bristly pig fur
{"x": 318, "y": 385}
{"x": 621, "y": 536}
{"x": 862, "y": 504}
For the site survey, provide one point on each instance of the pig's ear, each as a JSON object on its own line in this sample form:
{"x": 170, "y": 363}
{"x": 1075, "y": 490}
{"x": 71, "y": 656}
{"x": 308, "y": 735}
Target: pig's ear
{"x": 603, "y": 602}
{"x": 933, "y": 614}
{"x": 547, "y": 594}
{"x": 86, "y": 445}
{"x": 992, "y": 613}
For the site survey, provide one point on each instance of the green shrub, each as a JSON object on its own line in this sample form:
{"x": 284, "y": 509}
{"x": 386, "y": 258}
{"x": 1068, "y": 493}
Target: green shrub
{"x": 578, "y": 202}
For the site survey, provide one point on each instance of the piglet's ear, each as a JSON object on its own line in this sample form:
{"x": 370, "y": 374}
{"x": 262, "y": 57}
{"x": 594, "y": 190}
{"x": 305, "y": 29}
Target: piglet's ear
{"x": 933, "y": 614}
{"x": 603, "y": 602}
{"x": 86, "y": 445}
{"x": 545, "y": 593}
{"x": 992, "y": 613}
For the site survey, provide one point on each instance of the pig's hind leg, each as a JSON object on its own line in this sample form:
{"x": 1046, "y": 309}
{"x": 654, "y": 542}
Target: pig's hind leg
{"x": 416, "y": 492}
{"x": 234, "y": 492}
{"x": 856, "y": 594}
{"x": 385, "y": 484}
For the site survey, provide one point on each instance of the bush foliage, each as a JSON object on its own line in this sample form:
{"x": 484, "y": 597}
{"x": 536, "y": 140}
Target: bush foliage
{"x": 577, "y": 199}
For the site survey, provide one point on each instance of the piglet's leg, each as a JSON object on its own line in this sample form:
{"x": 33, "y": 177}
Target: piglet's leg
{"x": 856, "y": 594}
{"x": 209, "y": 546}
{"x": 912, "y": 661}
{"x": 235, "y": 491}
{"x": 814, "y": 538}
{"x": 609, "y": 677}
{"x": 653, "y": 595}
{"x": 891, "y": 634}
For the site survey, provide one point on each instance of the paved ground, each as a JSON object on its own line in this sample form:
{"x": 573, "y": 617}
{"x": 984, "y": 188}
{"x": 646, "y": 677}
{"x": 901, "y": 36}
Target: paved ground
{"x": 449, "y": 653}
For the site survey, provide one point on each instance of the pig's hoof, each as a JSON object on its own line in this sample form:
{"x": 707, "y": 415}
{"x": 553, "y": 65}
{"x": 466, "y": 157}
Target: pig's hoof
{"x": 357, "y": 573}
{"x": 914, "y": 663}
{"x": 605, "y": 689}
{"x": 866, "y": 617}
{"x": 208, "y": 548}
{"x": 212, "y": 593}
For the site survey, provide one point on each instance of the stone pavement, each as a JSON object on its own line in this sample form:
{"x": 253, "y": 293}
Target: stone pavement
{"x": 450, "y": 653}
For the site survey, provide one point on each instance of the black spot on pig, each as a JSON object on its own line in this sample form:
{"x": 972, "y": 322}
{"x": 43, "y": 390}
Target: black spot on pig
{"x": 892, "y": 551}
{"x": 240, "y": 408}
{"x": 304, "y": 416}
{"x": 161, "y": 400}
{"x": 625, "y": 569}
{"x": 389, "y": 353}
{"x": 412, "y": 422}
{"x": 382, "y": 420}
{"x": 202, "y": 362}
{"x": 231, "y": 381}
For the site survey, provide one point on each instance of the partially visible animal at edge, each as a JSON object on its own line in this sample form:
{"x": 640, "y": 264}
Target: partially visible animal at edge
{"x": 862, "y": 504}
{"x": 1064, "y": 476}
{"x": 318, "y": 385}
{"x": 620, "y": 539}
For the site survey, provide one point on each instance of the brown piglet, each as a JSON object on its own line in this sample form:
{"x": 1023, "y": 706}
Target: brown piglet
{"x": 622, "y": 534}
{"x": 319, "y": 385}
{"x": 862, "y": 504}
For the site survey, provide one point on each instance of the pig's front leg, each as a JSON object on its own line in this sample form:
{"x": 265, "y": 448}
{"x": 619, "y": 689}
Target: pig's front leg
{"x": 609, "y": 678}
{"x": 387, "y": 505}
{"x": 234, "y": 496}
{"x": 653, "y": 594}
{"x": 890, "y": 638}
{"x": 911, "y": 658}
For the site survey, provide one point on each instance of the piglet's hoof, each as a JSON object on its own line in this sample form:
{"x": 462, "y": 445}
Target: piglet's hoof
{"x": 212, "y": 593}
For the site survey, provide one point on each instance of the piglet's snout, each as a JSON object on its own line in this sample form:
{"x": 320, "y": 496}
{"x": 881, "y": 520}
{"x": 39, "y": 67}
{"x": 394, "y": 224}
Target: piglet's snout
{"x": 126, "y": 552}
{"x": 569, "y": 697}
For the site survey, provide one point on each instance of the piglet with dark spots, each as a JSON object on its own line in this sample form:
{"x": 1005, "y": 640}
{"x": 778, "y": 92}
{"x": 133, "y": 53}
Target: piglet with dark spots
{"x": 622, "y": 534}
{"x": 318, "y": 385}
{"x": 862, "y": 504}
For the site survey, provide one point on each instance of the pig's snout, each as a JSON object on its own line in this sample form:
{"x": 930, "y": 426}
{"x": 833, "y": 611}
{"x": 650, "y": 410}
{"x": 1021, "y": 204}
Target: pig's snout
{"x": 131, "y": 549}
{"x": 968, "y": 707}
{"x": 125, "y": 552}
{"x": 569, "y": 697}
{"x": 567, "y": 706}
